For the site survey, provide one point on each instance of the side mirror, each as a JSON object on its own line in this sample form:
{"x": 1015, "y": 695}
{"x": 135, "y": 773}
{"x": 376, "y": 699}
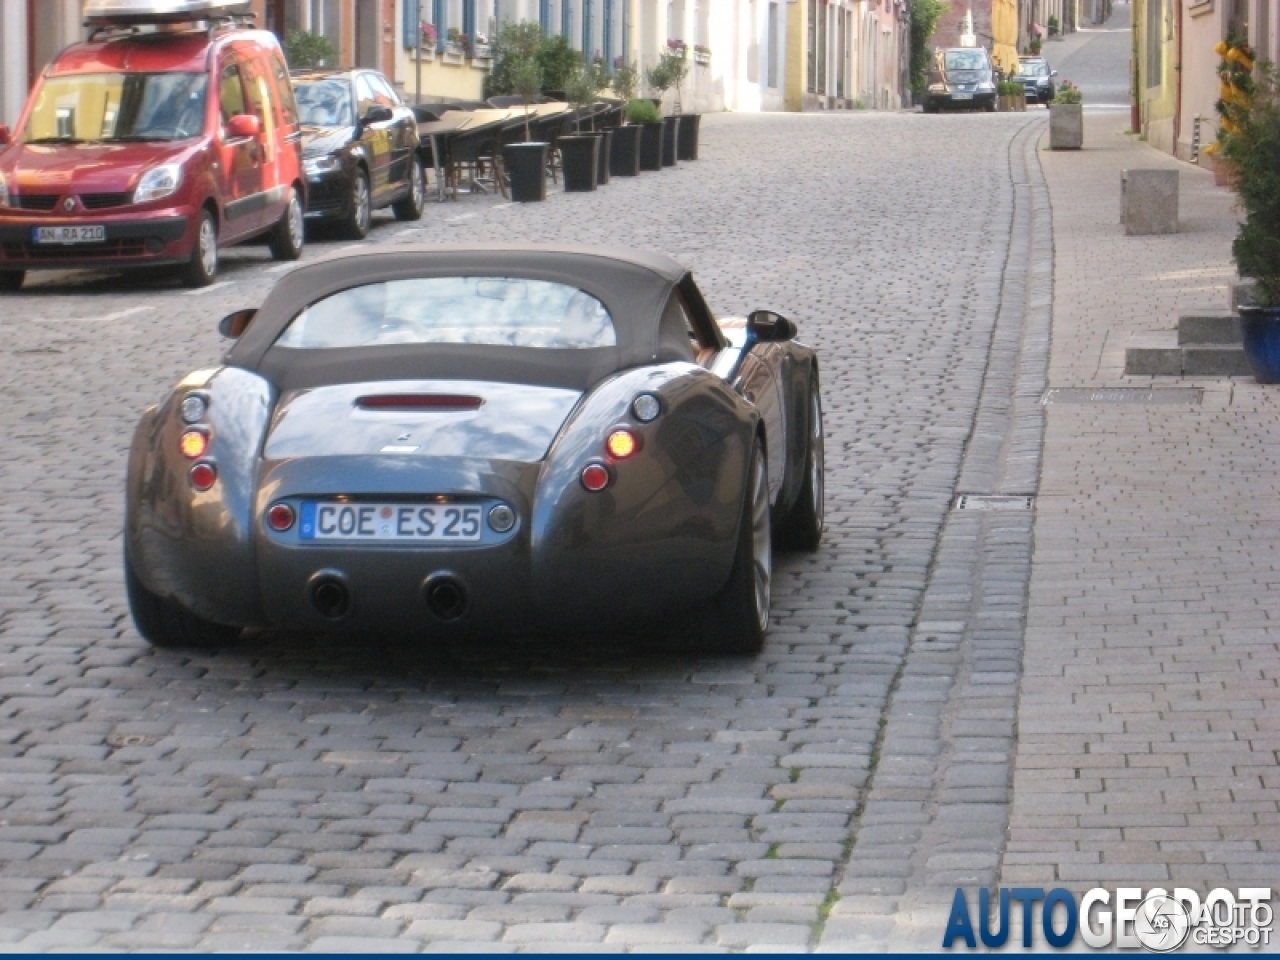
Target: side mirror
{"x": 4, "y": 134}
{"x": 377, "y": 114}
{"x": 766, "y": 326}
{"x": 243, "y": 125}
{"x": 1053, "y": 73}
{"x": 234, "y": 324}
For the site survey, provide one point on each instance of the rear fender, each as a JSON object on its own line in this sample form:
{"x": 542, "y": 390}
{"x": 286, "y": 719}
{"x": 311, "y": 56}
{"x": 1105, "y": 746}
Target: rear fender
{"x": 663, "y": 533}
{"x": 198, "y": 547}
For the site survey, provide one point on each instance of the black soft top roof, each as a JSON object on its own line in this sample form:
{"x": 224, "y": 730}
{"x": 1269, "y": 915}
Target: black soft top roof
{"x": 635, "y": 286}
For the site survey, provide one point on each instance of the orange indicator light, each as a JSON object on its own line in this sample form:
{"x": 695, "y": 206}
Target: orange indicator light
{"x": 193, "y": 444}
{"x": 622, "y": 444}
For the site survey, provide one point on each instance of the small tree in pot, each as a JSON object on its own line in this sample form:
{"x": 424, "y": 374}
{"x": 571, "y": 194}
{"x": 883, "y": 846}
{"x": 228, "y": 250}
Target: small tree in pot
{"x": 1252, "y": 151}
{"x": 526, "y": 162}
{"x": 579, "y": 153}
{"x": 646, "y": 115}
{"x": 624, "y": 151}
{"x": 669, "y": 69}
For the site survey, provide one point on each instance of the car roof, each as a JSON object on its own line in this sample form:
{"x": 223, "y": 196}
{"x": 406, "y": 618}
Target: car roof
{"x": 161, "y": 52}
{"x": 634, "y": 285}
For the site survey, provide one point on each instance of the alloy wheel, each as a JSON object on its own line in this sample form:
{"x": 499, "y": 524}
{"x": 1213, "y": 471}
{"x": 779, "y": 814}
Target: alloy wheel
{"x": 817, "y": 459}
{"x": 295, "y": 221}
{"x": 761, "y": 539}
{"x": 208, "y": 245}
{"x": 360, "y": 204}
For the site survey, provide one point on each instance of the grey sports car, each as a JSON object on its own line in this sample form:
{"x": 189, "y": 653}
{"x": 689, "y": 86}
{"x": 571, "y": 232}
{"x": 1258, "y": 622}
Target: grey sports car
{"x": 454, "y": 439}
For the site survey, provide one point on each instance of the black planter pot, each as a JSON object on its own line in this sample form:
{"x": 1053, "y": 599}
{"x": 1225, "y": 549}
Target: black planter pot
{"x": 669, "y": 137}
{"x": 603, "y": 157}
{"x": 527, "y": 167}
{"x": 651, "y": 140}
{"x": 687, "y": 148}
{"x": 579, "y": 161}
{"x": 1260, "y": 330}
{"x": 624, "y": 154}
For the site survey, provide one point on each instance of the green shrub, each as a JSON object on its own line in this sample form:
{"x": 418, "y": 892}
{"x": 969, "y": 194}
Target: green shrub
{"x": 303, "y": 50}
{"x": 1067, "y": 93}
{"x": 514, "y": 42}
{"x": 924, "y": 20}
{"x": 1253, "y": 152}
{"x": 643, "y": 111}
{"x": 558, "y": 62}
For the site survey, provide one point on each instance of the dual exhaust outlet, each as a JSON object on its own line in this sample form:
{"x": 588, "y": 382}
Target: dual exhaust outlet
{"x": 332, "y": 597}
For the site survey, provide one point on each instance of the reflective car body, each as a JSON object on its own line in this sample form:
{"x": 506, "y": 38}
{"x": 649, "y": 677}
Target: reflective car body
{"x": 960, "y": 78}
{"x": 1036, "y": 76}
{"x": 353, "y": 124}
{"x": 513, "y": 437}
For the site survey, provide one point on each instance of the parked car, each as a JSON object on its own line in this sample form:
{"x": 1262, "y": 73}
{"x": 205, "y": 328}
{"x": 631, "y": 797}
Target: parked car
{"x": 359, "y": 148}
{"x": 960, "y": 77}
{"x": 145, "y": 146}
{"x": 442, "y": 440}
{"x": 1034, "y": 74}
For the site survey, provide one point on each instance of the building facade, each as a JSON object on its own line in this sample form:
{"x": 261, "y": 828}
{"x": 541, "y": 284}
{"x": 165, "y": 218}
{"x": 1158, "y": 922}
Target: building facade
{"x": 32, "y": 32}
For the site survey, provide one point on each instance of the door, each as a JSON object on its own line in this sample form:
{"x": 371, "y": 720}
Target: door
{"x": 376, "y": 138}
{"x": 367, "y": 34}
{"x": 275, "y": 176}
{"x": 404, "y": 130}
{"x": 240, "y": 157}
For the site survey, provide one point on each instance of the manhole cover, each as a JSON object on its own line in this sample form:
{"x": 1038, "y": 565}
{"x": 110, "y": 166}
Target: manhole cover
{"x": 1122, "y": 395}
{"x": 981, "y": 501}
{"x": 130, "y": 740}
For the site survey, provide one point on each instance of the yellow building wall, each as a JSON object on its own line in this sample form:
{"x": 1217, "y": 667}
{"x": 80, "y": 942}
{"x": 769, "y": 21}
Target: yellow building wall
{"x": 1154, "y": 30}
{"x": 440, "y": 78}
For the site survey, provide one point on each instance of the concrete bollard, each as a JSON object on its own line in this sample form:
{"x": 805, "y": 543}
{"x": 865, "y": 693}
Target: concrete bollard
{"x": 1149, "y": 202}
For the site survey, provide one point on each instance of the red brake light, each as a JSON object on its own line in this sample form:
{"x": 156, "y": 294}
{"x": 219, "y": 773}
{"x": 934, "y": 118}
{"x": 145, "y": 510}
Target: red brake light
{"x": 203, "y": 476}
{"x": 622, "y": 444}
{"x": 193, "y": 444}
{"x": 419, "y": 401}
{"x": 595, "y": 477}
{"x": 280, "y": 517}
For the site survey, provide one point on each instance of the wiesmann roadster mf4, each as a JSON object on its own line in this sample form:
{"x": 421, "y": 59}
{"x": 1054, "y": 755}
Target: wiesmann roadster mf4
{"x": 449, "y": 440}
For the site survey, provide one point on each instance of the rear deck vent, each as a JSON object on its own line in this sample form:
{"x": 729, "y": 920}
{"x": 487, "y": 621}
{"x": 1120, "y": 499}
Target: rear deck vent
{"x": 419, "y": 401}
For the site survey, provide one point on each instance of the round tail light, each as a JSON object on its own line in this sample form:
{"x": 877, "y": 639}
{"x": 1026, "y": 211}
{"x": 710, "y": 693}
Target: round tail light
{"x": 622, "y": 444}
{"x": 203, "y": 476}
{"x": 595, "y": 477}
{"x": 280, "y": 517}
{"x": 193, "y": 444}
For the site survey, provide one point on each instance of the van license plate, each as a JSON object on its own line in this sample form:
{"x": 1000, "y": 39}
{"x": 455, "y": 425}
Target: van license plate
{"x": 70, "y": 234}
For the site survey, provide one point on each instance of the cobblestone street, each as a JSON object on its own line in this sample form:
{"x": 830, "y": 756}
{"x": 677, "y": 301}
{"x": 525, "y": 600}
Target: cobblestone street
{"x": 940, "y": 685}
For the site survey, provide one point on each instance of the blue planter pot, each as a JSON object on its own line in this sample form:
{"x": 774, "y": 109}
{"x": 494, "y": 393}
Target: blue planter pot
{"x": 1260, "y": 330}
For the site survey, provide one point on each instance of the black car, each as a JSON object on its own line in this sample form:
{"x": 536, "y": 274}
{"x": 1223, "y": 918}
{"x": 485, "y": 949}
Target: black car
{"x": 1034, "y": 74}
{"x": 960, "y": 77}
{"x": 359, "y": 149}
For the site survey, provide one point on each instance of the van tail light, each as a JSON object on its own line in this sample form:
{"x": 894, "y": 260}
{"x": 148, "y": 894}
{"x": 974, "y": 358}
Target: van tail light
{"x": 203, "y": 476}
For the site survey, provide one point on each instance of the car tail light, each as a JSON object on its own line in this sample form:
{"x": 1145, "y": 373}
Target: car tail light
{"x": 193, "y": 444}
{"x": 622, "y": 444}
{"x": 203, "y": 476}
{"x": 280, "y": 517}
{"x": 193, "y": 408}
{"x": 595, "y": 477}
{"x": 646, "y": 407}
{"x": 419, "y": 401}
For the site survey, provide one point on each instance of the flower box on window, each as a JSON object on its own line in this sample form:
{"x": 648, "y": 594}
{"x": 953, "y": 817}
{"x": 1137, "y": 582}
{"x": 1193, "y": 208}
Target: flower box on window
{"x": 701, "y": 54}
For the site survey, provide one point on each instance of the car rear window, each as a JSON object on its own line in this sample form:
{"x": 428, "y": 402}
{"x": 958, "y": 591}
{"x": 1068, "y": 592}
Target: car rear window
{"x": 966, "y": 60}
{"x": 500, "y": 311}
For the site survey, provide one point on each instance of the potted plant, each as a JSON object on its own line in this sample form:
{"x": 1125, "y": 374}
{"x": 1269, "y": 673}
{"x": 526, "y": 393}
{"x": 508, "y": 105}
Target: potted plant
{"x": 600, "y": 82}
{"x": 1235, "y": 91}
{"x": 1053, "y": 26}
{"x": 1252, "y": 151}
{"x": 1066, "y": 118}
{"x": 579, "y": 152}
{"x": 428, "y": 40}
{"x": 648, "y": 117}
{"x": 526, "y": 162}
{"x": 624, "y": 152}
{"x": 701, "y": 54}
{"x": 665, "y": 74}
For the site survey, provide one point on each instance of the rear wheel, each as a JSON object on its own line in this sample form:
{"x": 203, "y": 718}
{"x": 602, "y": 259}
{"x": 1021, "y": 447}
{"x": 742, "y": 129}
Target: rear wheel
{"x": 11, "y": 280}
{"x": 410, "y": 207}
{"x": 360, "y": 216}
{"x": 739, "y": 616}
{"x": 804, "y": 523}
{"x": 163, "y": 623}
{"x": 203, "y": 265}
{"x": 285, "y": 240}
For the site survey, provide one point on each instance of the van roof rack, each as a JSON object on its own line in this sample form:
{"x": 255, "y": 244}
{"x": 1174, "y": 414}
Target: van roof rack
{"x": 125, "y": 13}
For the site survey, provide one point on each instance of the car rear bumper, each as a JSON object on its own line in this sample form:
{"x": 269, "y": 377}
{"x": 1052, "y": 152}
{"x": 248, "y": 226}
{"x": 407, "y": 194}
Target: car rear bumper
{"x": 141, "y": 241}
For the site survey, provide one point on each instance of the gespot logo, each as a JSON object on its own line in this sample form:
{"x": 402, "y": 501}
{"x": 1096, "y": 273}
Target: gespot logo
{"x": 1131, "y": 918}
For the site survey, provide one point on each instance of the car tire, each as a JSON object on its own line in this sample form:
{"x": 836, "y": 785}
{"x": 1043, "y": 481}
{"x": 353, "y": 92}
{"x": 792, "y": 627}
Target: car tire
{"x": 802, "y": 528}
{"x": 163, "y": 623}
{"x": 11, "y": 280}
{"x": 929, "y": 107}
{"x": 738, "y": 618}
{"x": 286, "y": 238}
{"x": 360, "y": 217}
{"x": 411, "y": 206}
{"x": 201, "y": 269}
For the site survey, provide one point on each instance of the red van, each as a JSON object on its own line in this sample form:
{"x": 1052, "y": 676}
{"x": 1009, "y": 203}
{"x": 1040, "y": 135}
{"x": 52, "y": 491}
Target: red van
{"x": 153, "y": 144}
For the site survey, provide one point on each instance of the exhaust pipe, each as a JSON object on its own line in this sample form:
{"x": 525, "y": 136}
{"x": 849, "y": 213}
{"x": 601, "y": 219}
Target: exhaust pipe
{"x": 330, "y": 594}
{"x": 446, "y": 596}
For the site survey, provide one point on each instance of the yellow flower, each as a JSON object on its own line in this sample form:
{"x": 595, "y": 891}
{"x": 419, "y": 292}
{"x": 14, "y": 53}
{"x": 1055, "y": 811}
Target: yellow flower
{"x": 1213, "y": 148}
{"x": 1220, "y": 48}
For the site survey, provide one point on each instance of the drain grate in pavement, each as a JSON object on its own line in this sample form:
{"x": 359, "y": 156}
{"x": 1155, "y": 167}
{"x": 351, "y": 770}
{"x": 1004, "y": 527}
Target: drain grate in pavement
{"x": 1122, "y": 395}
{"x": 983, "y": 501}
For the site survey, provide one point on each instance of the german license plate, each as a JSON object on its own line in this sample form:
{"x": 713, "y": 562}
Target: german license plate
{"x": 962, "y": 96}
{"x": 70, "y": 234}
{"x": 381, "y": 522}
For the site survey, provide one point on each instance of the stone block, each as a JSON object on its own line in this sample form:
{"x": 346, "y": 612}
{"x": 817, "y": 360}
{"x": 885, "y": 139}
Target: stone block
{"x": 1215, "y": 360}
{"x": 1153, "y": 355}
{"x": 1208, "y": 325}
{"x": 1149, "y": 202}
{"x": 1066, "y": 126}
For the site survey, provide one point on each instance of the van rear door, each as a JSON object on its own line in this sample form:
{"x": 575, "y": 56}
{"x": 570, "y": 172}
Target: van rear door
{"x": 240, "y": 157}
